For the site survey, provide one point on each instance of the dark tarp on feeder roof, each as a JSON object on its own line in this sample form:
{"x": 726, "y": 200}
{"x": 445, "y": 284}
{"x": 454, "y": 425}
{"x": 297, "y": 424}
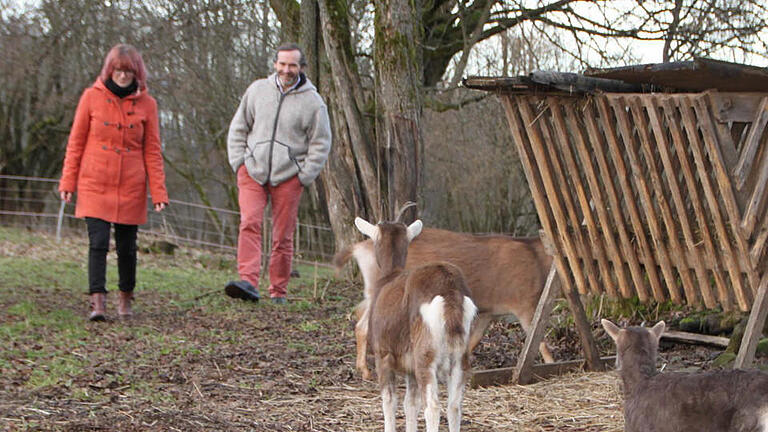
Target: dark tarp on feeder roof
{"x": 689, "y": 76}
{"x": 548, "y": 82}
{"x": 697, "y": 75}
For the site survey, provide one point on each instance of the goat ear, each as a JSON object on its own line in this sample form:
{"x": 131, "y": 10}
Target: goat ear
{"x": 658, "y": 329}
{"x": 610, "y": 328}
{"x": 414, "y": 229}
{"x": 367, "y": 228}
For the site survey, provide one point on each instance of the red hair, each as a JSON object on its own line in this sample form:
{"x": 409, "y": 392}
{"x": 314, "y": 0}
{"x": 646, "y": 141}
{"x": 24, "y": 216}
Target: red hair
{"x": 127, "y": 57}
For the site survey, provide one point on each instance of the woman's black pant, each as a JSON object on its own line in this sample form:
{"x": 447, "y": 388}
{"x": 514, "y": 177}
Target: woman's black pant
{"x": 125, "y": 243}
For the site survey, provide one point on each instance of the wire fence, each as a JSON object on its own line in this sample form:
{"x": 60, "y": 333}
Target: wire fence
{"x": 34, "y": 203}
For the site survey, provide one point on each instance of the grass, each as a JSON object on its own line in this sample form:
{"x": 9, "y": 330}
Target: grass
{"x": 44, "y": 342}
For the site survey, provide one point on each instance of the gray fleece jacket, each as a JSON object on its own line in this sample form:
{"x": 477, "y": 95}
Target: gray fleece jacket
{"x": 278, "y": 136}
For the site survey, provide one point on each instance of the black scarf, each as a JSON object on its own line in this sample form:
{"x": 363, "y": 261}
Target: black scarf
{"x": 121, "y": 92}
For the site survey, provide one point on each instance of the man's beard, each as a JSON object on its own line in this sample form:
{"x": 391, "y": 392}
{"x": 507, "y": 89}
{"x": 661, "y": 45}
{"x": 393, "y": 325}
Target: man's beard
{"x": 287, "y": 80}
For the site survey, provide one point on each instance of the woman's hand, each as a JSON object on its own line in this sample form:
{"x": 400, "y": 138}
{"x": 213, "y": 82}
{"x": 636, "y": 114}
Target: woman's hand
{"x": 159, "y": 207}
{"x": 66, "y": 196}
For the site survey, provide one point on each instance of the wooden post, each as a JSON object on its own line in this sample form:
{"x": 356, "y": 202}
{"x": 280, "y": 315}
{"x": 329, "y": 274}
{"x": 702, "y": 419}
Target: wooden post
{"x": 754, "y": 327}
{"x": 551, "y": 290}
{"x": 585, "y": 332}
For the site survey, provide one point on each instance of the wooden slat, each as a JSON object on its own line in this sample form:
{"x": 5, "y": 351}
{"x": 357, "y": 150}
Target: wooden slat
{"x": 646, "y": 200}
{"x": 670, "y": 104}
{"x": 697, "y": 149}
{"x": 597, "y": 196}
{"x": 539, "y": 372}
{"x": 695, "y": 338}
{"x": 727, "y": 195}
{"x": 663, "y": 146}
{"x": 584, "y": 327}
{"x": 735, "y": 107}
{"x": 650, "y": 149}
{"x": 564, "y": 191}
{"x": 535, "y": 184}
{"x": 623, "y": 175}
{"x": 754, "y": 328}
{"x": 723, "y": 128}
{"x": 537, "y": 144}
{"x": 760, "y": 242}
{"x": 538, "y": 327}
{"x": 757, "y": 199}
{"x": 574, "y": 175}
{"x": 598, "y": 145}
{"x": 545, "y": 169}
{"x": 749, "y": 150}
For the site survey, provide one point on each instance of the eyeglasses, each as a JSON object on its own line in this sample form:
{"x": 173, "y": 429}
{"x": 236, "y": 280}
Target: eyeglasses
{"x": 124, "y": 71}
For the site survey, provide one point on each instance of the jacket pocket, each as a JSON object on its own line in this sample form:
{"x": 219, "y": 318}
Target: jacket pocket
{"x": 257, "y": 159}
{"x": 93, "y": 174}
{"x": 284, "y": 158}
{"x": 134, "y": 181}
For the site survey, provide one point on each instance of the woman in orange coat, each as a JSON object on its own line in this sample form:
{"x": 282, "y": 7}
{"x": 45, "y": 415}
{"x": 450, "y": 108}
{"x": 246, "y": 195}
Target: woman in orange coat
{"x": 113, "y": 151}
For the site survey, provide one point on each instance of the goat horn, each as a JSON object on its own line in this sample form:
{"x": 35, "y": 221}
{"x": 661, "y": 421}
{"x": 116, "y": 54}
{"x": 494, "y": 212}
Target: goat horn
{"x": 402, "y": 210}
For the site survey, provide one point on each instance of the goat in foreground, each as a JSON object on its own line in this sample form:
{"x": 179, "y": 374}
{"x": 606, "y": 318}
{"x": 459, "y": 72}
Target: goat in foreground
{"x": 721, "y": 401}
{"x": 419, "y": 323}
{"x": 505, "y": 274}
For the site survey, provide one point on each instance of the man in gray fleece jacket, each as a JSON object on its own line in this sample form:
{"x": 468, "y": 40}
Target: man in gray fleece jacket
{"x": 278, "y": 142}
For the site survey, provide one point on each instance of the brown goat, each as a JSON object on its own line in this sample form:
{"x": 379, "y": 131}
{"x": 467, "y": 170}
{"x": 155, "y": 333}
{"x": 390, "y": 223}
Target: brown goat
{"x": 720, "y": 401}
{"x": 506, "y": 276}
{"x": 419, "y": 323}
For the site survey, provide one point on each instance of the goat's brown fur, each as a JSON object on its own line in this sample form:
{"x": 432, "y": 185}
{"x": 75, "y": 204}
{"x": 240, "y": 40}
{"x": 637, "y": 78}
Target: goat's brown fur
{"x": 506, "y": 275}
{"x": 719, "y": 401}
{"x": 418, "y": 325}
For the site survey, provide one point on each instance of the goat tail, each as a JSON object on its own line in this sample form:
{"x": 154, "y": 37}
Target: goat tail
{"x": 449, "y": 325}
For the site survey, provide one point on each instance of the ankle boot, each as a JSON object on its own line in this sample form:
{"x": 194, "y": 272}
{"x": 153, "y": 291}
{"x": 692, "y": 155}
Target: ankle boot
{"x": 98, "y": 307}
{"x": 124, "y": 304}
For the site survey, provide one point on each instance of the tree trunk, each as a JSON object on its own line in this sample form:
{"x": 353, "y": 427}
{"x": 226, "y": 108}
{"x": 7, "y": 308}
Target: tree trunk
{"x": 398, "y": 60}
{"x": 350, "y": 179}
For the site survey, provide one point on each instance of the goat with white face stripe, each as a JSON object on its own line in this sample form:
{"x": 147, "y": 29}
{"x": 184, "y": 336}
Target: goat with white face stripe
{"x": 419, "y": 324}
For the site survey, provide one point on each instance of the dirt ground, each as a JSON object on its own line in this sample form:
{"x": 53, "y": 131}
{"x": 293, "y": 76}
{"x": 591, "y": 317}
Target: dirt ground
{"x": 272, "y": 377}
{"x": 262, "y": 367}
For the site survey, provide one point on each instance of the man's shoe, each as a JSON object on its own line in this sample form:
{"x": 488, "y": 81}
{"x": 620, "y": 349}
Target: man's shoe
{"x": 279, "y": 300}
{"x": 242, "y": 290}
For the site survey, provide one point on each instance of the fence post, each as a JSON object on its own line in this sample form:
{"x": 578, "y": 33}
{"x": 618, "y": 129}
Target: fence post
{"x": 60, "y": 220}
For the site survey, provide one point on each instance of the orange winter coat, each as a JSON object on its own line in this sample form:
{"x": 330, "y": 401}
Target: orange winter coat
{"x": 113, "y": 150}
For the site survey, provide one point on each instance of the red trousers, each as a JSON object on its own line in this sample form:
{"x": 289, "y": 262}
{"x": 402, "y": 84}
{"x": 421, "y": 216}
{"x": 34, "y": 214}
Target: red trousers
{"x": 285, "y": 210}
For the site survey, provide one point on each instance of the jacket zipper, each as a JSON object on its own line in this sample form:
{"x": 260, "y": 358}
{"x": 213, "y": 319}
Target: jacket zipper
{"x": 274, "y": 134}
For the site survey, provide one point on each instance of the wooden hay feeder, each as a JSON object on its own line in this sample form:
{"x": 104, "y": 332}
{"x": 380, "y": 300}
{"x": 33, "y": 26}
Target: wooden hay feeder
{"x": 649, "y": 182}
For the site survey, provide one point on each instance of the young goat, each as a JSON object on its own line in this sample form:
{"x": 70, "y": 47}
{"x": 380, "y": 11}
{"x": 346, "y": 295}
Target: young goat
{"x": 419, "y": 323}
{"x": 722, "y": 401}
{"x": 506, "y": 276}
